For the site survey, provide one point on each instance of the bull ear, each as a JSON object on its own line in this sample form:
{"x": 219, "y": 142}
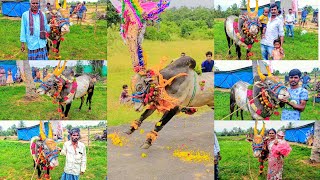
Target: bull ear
{"x": 147, "y": 80}
{"x": 249, "y": 139}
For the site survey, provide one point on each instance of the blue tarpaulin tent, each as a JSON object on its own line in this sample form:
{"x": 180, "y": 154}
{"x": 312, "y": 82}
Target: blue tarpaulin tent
{"x": 9, "y": 65}
{"x": 14, "y": 8}
{"x": 226, "y": 79}
{"x": 299, "y": 134}
{"x": 27, "y": 133}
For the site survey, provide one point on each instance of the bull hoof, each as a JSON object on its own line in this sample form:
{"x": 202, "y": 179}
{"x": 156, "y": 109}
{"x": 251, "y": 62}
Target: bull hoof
{"x": 89, "y": 110}
{"x": 146, "y": 145}
{"x": 79, "y": 110}
{"x": 129, "y": 131}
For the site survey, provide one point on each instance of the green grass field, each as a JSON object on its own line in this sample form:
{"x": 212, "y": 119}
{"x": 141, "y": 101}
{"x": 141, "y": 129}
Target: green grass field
{"x": 222, "y": 104}
{"x": 301, "y": 47}
{"x": 120, "y": 68}
{"x": 14, "y": 107}
{"x": 80, "y": 43}
{"x": 16, "y": 161}
{"x": 238, "y": 161}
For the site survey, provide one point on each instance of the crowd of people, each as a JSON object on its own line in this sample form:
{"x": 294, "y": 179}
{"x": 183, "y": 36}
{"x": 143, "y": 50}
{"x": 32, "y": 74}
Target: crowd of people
{"x": 6, "y": 77}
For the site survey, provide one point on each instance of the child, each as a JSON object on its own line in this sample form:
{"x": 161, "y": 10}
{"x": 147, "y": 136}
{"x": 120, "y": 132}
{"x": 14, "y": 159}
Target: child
{"x": 124, "y": 97}
{"x": 280, "y": 136}
{"x": 277, "y": 52}
{"x": 9, "y": 78}
{"x": 264, "y": 20}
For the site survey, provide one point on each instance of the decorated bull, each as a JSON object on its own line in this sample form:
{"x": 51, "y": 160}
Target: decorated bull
{"x": 44, "y": 151}
{"x": 175, "y": 88}
{"x": 242, "y": 30}
{"x": 59, "y": 22}
{"x": 259, "y": 146}
{"x": 261, "y": 99}
{"x": 64, "y": 88}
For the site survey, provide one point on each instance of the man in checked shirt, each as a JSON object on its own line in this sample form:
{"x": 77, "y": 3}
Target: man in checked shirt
{"x": 76, "y": 158}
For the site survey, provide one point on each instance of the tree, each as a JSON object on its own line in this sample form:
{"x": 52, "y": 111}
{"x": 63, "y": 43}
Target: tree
{"x": 112, "y": 15}
{"x": 30, "y": 85}
{"x": 79, "y": 67}
{"x": 243, "y": 3}
{"x": 69, "y": 127}
{"x": 289, "y": 125}
{"x": 21, "y": 124}
{"x": 315, "y": 151}
{"x": 97, "y": 66}
{"x": 219, "y": 8}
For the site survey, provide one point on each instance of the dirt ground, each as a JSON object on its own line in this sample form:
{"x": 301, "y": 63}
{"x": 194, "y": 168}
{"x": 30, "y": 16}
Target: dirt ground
{"x": 194, "y": 133}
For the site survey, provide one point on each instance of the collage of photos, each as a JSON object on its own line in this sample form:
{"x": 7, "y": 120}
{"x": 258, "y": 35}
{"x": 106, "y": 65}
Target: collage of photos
{"x": 159, "y": 89}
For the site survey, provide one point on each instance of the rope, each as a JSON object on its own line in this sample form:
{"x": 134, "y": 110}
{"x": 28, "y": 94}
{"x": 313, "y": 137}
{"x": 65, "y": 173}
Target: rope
{"x": 238, "y": 109}
{"x": 34, "y": 170}
{"x": 194, "y": 89}
{"x": 229, "y": 49}
{"x": 249, "y": 164}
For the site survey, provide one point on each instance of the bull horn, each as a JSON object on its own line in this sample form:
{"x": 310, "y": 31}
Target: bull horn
{"x": 64, "y": 4}
{"x": 59, "y": 70}
{"x": 255, "y": 12}
{"x": 50, "y": 135}
{"x": 57, "y": 4}
{"x": 256, "y": 8}
{"x": 262, "y": 77}
{"x": 263, "y": 129}
{"x": 268, "y": 70}
{"x": 248, "y": 7}
{"x": 42, "y": 134}
{"x": 255, "y": 131}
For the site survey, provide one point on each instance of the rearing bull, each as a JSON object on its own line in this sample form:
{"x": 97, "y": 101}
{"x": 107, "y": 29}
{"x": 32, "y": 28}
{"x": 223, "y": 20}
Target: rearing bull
{"x": 261, "y": 99}
{"x": 171, "y": 90}
{"x": 64, "y": 88}
{"x": 259, "y": 146}
{"x": 242, "y": 30}
{"x": 44, "y": 151}
{"x": 60, "y": 25}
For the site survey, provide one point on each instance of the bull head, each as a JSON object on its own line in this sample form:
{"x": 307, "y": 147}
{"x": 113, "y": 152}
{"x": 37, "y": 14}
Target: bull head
{"x": 252, "y": 20}
{"x": 50, "y": 83}
{"x": 63, "y": 17}
{"x": 276, "y": 90}
{"x": 257, "y": 141}
{"x": 46, "y": 148}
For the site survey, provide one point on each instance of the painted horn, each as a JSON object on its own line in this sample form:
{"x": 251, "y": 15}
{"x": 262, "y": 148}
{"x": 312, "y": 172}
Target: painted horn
{"x": 262, "y": 77}
{"x": 41, "y": 130}
{"x": 59, "y": 70}
{"x": 57, "y": 4}
{"x": 263, "y": 129}
{"x": 50, "y": 134}
{"x": 268, "y": 70}
{"x": 248, "y": 7}
{"x": 257, "y": 7}
{"x": 64, "y": 4}
{"x": 255, "y": 131}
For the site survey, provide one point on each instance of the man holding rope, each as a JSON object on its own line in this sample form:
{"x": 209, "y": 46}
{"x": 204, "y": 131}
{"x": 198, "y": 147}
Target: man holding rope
{"x": 34, "y": 27}
{"x": 298, "y": 95}
{"x": 76, "y": 158}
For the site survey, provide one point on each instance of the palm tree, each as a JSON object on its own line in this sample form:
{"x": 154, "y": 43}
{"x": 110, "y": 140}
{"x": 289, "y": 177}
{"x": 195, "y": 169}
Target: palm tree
{"x": 315, "y": 151}
{"x": 30, "y": 85}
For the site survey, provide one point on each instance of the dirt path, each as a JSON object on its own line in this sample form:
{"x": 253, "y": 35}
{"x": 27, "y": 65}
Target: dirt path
{"x": 193, "y": 133}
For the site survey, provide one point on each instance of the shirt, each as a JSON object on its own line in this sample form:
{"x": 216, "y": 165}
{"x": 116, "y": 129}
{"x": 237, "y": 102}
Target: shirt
{"x": 273, "y": 31}
{"x": 296, "y": 95}
{"x": 207, "y": 66}
{"x": 263, "y": 19}
{"x": 216, "y": 149}
{"x": 304, "y": 13}
{"x": 305, "y": 79}
{"x": 34, "y": 42}
{"x": 82, "y": 9}
{"x": 290, "y": 18}
{"x": 75, "y": 159}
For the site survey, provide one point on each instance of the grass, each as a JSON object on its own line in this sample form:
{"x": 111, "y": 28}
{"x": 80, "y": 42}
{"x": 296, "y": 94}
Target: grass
{"x": 222, "y": 104}
{"x": 17, "y": 161}
{"x": 237, "y": 156}
{"x": 119, "y": 63}
{"x": 302, "y": 47}
{"x": 80, "y": 43}
{"x": 13, "y": 106}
